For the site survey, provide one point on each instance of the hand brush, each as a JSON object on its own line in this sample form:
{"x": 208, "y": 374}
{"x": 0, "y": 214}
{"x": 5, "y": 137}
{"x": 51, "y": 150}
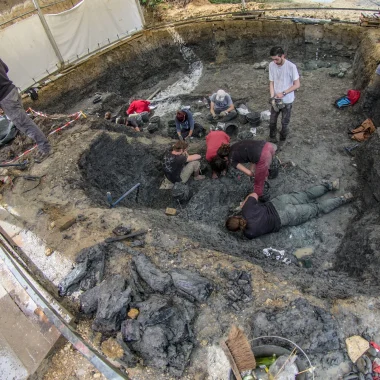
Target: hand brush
{"x": 238, "y": 352}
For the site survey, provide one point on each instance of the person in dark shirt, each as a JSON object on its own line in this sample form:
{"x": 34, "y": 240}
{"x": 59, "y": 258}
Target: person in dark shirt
{"x": 178, "y": 165}
{"x": 10, "y": 102}
{"x": 258, "y": 153}
{"x": 129, "y": 121}
{"x": 285, "y": 210}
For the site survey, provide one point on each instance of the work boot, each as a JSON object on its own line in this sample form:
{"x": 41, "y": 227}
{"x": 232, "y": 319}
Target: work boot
{"x": 332, "y": 185}
{"x": 40, "y": 156}
{"x": 347, "y": 198}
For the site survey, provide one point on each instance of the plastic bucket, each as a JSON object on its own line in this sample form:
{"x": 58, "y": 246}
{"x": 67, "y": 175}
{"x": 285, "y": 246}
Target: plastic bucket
{"x": 269, "y": 350}
{"x": 254, "y": 119}
{"x": 231, "y": 130}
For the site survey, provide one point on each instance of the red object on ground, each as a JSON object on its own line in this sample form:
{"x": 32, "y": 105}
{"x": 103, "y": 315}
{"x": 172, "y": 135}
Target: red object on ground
{"x": 213, "y": 141}
{"x": 375, "y": 346}
{"x": 353, "y": 96}
{"x": 138, "y": 106}
{"x": 376, "y": 365}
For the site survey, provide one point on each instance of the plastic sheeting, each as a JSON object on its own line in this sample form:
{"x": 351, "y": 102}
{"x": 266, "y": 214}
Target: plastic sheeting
{"x": 89, "y": 26}
{"x": 26, "y": 50}
{"x": 93, "y": 24}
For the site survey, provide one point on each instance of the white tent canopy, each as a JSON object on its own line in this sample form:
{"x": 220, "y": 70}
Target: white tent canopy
{"x": 89, "y": 26}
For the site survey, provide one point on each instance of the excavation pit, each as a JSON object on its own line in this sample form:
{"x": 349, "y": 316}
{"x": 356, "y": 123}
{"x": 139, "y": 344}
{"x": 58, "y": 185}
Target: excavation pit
{"x": 112, "y": 158}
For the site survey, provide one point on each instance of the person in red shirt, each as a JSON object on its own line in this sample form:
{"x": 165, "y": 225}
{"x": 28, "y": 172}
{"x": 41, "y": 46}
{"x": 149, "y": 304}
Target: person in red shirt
{"x": 138, "y": 106}
{"x": 214, "y": 140}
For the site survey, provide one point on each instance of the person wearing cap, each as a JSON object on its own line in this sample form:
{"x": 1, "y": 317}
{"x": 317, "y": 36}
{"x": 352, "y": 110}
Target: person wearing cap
{"x": 221, "y": 107}
{"x": 283, "y": 81}
{"x": 185, "y": 126}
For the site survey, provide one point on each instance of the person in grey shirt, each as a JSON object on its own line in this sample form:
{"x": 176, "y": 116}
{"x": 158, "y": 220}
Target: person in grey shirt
{"x": 221, "y": 107}
{"x": 10, "y": 102}
{"x": 283, "y": 81}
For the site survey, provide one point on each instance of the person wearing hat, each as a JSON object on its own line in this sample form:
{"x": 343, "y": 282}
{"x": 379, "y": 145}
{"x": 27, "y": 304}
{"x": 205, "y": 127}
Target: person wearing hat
{"x": 185, "y": 125}
{"x": 221, "y": 107}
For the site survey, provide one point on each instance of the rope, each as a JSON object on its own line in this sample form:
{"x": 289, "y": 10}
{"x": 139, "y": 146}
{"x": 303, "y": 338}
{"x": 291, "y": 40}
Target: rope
{"x": 77, "y": 115}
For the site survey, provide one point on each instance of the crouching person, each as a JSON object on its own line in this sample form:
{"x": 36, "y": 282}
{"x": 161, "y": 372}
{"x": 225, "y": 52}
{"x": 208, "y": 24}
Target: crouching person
{"x": 178, "y": 165}
{"x": 221, "y": 107}
{"x": 285, "y": 210}
{"x": 186, "y": 127}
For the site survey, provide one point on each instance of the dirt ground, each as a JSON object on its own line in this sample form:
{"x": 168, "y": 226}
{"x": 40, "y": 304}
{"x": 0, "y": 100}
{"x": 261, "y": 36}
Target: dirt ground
{"x": 317, "y": 306}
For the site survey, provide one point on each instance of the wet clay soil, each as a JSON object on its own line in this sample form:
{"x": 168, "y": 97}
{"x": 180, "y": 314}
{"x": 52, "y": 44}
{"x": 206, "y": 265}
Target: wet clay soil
{"x": 318, "y": 307}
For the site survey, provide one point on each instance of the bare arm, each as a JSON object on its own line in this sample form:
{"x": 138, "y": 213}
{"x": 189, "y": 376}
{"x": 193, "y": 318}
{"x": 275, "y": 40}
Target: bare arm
{"x": 243, "y": 169}
{"x": 230, "y": 108}
{"x": 271, "y": 89}
{"x": 253, "y": 195}
{"x": 212, "y": 105}
{"x": 193, "y": 157}
{"x": 296, "y": 85}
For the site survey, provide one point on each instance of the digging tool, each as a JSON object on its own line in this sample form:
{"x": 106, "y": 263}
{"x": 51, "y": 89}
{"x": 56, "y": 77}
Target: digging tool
{"x": 133, "y": 234}
{"x": 349, "y": 149}
{"x": 21, "y": 166}
{"x": 113, "y": 204}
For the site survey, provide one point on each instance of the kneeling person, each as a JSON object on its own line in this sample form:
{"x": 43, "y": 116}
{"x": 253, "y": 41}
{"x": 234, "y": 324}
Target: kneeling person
{"x": 285, "y": 210}
{"x": 178, "y": 165}
{"x": 185, "y": 125}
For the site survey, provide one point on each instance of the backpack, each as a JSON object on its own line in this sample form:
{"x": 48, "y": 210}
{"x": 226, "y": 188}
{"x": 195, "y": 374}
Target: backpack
{"x": 342, "y": 102}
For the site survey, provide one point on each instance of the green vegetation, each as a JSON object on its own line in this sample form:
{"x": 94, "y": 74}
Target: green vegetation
{"x": 150, "y": 3}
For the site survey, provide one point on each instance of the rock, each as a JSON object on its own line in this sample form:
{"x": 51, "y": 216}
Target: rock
{"x": 153, "y": 127}
{"x": 112, "y": 349}
{"x": 171, "y": 211}
{"x": 65, "y": 222}
{"x": 130, "y": 330}
{"x": 344, "y": 66}
{"x": 48, "y": 251}
{"x": 122, "y": 230}
{"x": 264, "y": 64}
{"x": 301, "y": 252}
{"x": 87, "y": 273}
{"x": 334, "y": 73}
{"x": 356, "y": 347}
{"x": 52, "y": 224}
{"x": 340, "y": 75}
{"x": 110, "y": 300}
{"x": 256, "y": 66}
{"x": 133, "y": 313}
{"x": 154, "y": 277}
{"x": 191, "y": 283}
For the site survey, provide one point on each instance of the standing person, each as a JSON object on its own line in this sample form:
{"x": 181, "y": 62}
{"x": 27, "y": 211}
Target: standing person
{"x": 221, "y": 107}
{"x": 258, "y": 153}
{"x": 283, "y": 81}
{"x": 285, "y": 210}
{"x": 178, "y": 165}
{"x": 214, "y": 141}
{"x": 10, "y": 102}
{"x": 185, "y": 126}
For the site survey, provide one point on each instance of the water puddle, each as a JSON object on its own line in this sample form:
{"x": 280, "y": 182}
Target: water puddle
{"x": 186, "y": 84}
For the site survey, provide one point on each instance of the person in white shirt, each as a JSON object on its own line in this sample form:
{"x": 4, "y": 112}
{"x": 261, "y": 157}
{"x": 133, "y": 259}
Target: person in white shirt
{"x": 283, "y": 81}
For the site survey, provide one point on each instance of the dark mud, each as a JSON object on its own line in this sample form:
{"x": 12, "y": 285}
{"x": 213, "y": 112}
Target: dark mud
{"x": 162, "y": 335}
